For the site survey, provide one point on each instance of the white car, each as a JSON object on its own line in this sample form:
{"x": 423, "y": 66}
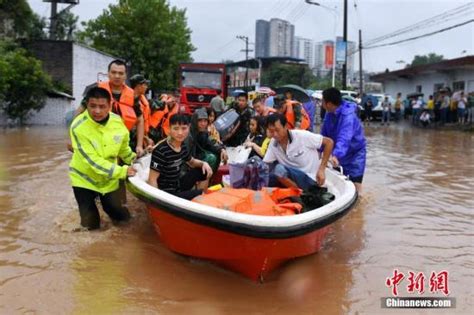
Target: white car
{"x": 352, "y": 94}
{"x": 377, "y": 110}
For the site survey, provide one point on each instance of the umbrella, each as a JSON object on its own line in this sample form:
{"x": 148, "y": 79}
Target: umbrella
{"x": 265, "y": 90}
{"x": 298, "y": 92}
{"x": 236, "y": 93}
{"x": 269, "y": 101}
{"x": 318, "y": 95}
{"x": 375, "y": 100}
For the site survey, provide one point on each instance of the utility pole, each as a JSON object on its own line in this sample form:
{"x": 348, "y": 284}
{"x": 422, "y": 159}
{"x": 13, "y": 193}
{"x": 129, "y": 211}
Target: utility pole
{"x": 247, "y": 50}
{"x": 344, "y": 66}
{"x": 54, "y": 19}
{"x": 361, "y": 83}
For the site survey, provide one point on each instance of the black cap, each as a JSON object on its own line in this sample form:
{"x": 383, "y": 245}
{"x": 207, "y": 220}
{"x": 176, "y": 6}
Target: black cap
{"x": 138, "y": 79}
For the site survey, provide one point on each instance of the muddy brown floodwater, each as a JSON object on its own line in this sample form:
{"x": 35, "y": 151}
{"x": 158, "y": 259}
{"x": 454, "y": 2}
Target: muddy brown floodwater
{"x": 416, "y": 215}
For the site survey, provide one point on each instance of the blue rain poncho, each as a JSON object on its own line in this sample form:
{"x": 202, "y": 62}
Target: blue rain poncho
{"x": 344, "y": 128}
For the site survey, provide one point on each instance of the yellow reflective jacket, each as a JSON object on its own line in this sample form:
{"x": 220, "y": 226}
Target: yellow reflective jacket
{"x": 96, "y": 149}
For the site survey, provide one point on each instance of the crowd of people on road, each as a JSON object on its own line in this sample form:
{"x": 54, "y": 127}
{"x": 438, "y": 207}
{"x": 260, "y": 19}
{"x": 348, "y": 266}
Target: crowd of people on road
{"x": 116, "y": 124}
{"x": 444, "y": 107}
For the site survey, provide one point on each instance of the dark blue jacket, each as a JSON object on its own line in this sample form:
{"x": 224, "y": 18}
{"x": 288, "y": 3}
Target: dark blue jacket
{"x": 344, "y": 128}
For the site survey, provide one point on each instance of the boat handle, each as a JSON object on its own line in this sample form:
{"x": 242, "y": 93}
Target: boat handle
{"x": 339, "y": 168}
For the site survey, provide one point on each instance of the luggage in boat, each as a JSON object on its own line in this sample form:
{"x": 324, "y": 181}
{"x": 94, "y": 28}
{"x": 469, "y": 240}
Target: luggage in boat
{"x": 268, "y": 201}
{"x": 226, "y": 122}
{"x": 252, "y": 174}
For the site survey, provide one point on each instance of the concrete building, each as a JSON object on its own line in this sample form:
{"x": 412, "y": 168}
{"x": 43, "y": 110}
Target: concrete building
{"x": 274, "y": 38}
{"x": 281, "y": 38}
{"x": 457, "y": 74}
{"x": 323, "y": 57}
{"x": 304, "y": 49}
{"x": 262, "y": 37}
{"x": 73, "y": 65}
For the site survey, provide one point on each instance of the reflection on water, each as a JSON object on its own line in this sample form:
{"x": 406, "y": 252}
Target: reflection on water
{"x": 415, "y": 215}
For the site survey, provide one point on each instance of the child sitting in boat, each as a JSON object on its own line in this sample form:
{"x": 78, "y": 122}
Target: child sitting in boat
{"x": 211, "y": 128}
{"x": 256, "y": 136}
{"x": 168, "y": 158}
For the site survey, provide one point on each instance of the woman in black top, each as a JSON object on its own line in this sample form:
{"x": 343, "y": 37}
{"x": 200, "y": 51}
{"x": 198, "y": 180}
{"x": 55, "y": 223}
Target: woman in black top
{"x": 201, "y": 146}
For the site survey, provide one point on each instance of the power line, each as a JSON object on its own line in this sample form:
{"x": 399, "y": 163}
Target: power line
{"x": 420, "y": 36}
{"x": 422, "y": 24}
{"x": 279, "y": 6}
{"x": 300, "y": 14}
{"x": 435, "y": 20}
{"x": 295, "y": 10}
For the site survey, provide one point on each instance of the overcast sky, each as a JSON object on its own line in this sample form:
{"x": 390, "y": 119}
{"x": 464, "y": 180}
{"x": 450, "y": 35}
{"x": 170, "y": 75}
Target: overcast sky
{"x": 215, "y": 24}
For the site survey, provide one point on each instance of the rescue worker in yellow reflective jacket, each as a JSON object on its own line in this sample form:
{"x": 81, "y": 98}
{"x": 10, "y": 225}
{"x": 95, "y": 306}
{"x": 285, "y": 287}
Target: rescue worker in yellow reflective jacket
{"x": 98, "y": 138}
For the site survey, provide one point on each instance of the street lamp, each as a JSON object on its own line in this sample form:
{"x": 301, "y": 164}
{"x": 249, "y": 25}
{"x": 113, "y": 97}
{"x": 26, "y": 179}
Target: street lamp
{"x": 334, "y": 11}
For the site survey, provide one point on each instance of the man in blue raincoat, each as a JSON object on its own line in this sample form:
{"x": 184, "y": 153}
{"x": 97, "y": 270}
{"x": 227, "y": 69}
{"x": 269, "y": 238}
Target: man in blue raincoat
{"x": 342, "y": 125}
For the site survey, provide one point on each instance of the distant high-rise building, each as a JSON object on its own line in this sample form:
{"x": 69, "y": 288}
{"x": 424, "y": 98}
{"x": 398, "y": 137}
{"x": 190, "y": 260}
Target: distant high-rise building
{"x": 304, "y": 49}
{"x": 281, "y": 36}
{"x": 323, "y": 57}
{"x": 274, "y": 38}
{"x": 262, "y": 35}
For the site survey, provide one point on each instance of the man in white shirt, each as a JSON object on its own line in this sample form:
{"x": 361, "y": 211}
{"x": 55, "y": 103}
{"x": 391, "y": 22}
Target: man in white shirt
{"x": 296, "y": 155}
{"x": 386, "y": 109}
{"x": 418, "y": 103}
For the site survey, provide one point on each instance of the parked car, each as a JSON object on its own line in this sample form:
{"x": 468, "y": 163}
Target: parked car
{"x": 352, "y": 94}
{"x": 377, "y": 100}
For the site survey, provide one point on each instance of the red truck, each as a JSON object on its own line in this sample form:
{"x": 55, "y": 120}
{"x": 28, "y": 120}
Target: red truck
{"x": 199, "y": 83}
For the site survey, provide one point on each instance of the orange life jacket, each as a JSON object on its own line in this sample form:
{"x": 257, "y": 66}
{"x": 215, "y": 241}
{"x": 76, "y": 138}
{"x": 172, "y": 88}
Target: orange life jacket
{"x": 157, "y": 117}
{"x": 145, "y": 107}
{"x": 166, "y": 119}
{"x": 290, "y": 116}
{"x": 268, "y": 201}
{"x": 123, "y": 107}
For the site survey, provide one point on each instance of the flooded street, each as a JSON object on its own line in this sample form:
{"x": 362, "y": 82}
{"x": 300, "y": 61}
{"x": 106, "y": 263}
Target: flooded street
{"x": 416, "y": 215}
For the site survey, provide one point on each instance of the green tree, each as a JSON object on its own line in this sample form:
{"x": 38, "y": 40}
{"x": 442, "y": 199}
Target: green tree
{"x": 19, "y": 21}
{"x": 23, "y": 83}
{"x": 150, "y": 34}
{"x": 324, "y": 82}
{"x": 66, "y": 25}
{"x": 281, "y": 74}
{"x": 425, "y": 59}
